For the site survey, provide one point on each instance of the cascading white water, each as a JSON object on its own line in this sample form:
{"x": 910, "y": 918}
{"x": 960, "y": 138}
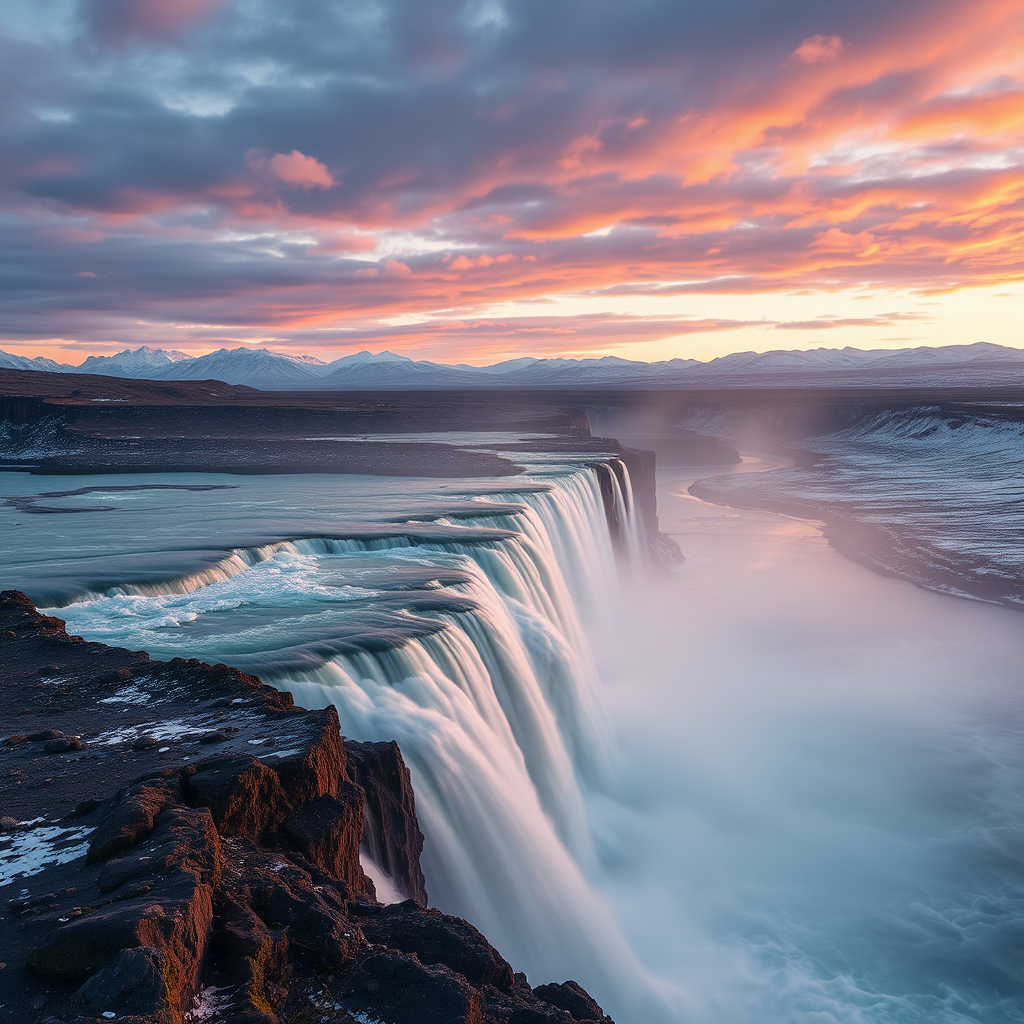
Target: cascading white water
{"x": 497, "y": 709}
{"x": 633, "y": 540}
{"x": 499, "y": 719}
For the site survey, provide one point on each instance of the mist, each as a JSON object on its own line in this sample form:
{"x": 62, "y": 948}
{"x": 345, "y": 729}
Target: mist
{"x": 817, "y": 815}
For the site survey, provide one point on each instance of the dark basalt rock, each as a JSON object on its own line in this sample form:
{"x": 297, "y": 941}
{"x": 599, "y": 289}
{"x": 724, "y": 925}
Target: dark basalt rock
{"x": 44, "y": 734}
{"x": 317, "y": 763}
{"x": 135, "y": 983}
{"x": 183, "y": 839}
{"x": 569, "y": 996}
{"x": 244, "y": 795}
{"x": 217, "y": 736}
{"x": 399, "y": 989}
{"x": 392, "y": 838}
{"x": 328, "y": 832}
{"x": 63, "y": 744}
{"x": 437, "y": 938}
{"x": 254, "y": 958}
{"x": 175, "y": 918}
{"x": 130, "y": 814}
{"x": 237, "y": 872}
{"x": 311, "y": 911}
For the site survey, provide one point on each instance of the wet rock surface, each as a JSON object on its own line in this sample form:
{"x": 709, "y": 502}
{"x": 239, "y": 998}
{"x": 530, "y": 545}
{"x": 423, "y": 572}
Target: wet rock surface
{"x": 178, "y": 880}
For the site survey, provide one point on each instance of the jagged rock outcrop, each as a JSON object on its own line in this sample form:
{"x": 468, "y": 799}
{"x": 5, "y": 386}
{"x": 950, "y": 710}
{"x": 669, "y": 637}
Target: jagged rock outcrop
{"x": 572, "y": 998}
{"x": 391, "y": 837}
{"x": 219, "y": 882}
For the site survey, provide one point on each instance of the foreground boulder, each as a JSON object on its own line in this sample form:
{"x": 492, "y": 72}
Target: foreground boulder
{"x": 135, "y": 984}
{"x": 437, "y": 938}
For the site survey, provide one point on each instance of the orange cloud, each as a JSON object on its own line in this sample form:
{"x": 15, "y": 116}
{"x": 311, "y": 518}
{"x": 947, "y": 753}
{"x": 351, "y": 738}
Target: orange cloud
{"x": 999, "y": 114}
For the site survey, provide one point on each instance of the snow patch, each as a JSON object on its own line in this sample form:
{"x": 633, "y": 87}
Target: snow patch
{"x": 130, "y": 694}
{"x": 28, "y": 853}
{"x": 211, "y": 1001}
{"x": 364, "y": 1018}
{"x": 171, "y": 729}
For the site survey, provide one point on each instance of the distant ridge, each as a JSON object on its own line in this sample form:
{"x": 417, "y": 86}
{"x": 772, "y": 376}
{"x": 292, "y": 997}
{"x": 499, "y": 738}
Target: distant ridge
{"x": 13, "y": 362}
{"x": 978, "y": 364}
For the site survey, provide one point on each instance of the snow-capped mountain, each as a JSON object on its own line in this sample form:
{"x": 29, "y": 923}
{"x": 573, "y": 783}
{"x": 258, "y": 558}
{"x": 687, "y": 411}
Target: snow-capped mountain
{"x": 144, "y": 362}
{"x": 388, "y": 370}
{"x": 255, "y": 367}
{"x": 589, "y": 372}
{"x": 978, "y": 364}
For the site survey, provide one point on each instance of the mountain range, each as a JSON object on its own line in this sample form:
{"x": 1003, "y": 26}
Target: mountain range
{"x": 976, "y": 364}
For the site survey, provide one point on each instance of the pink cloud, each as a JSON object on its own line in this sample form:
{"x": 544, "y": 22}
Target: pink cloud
{"x": 463, "y": 262}
{"x": 486, "y": 340}
{"x": 819, "y": 49}
{"x": 580, "y": 150}
{"x": 300, "y": 170}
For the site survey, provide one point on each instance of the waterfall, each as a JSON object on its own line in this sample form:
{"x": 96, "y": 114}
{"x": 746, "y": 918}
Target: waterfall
{"x": 499, "y": 719}
{"x": 496, "y": 707}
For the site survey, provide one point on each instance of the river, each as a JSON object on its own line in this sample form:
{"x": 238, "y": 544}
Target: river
{"x": 770, "y": 787}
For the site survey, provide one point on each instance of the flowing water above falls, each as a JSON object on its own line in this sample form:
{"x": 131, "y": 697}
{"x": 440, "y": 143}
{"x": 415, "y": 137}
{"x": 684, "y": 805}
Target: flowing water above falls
{"x": 787, "y": 791}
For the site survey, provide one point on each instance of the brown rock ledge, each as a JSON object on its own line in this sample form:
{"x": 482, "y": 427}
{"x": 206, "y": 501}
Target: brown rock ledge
{"x": 194, "y": 856}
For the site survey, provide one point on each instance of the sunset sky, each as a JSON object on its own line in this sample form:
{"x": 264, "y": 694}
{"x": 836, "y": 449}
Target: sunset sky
{"x": 478, "y": 180}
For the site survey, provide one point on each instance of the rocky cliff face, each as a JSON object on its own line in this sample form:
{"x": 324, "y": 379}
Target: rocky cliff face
{"x": 188, "y": 848}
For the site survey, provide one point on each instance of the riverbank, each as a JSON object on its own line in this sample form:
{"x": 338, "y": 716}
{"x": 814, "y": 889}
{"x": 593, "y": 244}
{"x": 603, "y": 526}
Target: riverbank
{"x": 931, "y": 494}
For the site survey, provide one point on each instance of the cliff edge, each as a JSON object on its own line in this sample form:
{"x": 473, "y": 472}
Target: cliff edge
{"x": 180, "y": 843}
